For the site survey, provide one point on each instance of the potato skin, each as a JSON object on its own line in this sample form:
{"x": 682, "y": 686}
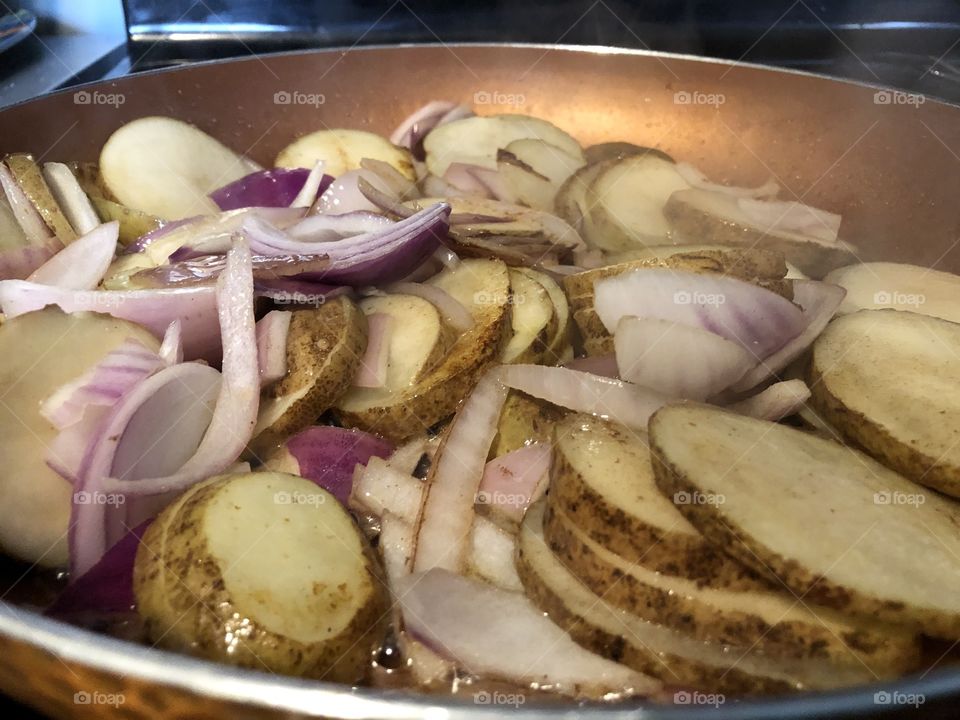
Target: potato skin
{"x": 187, "y": 607}
{"x": 524, "y": 420}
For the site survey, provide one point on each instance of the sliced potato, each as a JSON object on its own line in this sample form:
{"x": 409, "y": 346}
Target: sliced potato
{"x": 133, "y": 223}
{"x": 655, "y": 649}
{"x": 570, "y": 202}
{"x": 833, "y": 525}
{"x": 533, "y": 320}
{"x": 552, "y": 162}
{"x": 523, "y": 420}
{"x": 30, "y": 179}
{"x": 341, "y": 150}
{"x": 887, "y": 380}
{"x": 706, "y": 216}
{"x": 476, "y": 140}
{"x": 483, "y": 287}
{"x": 765, "y": 620}
{"x": 533, "y": 171}
{"x": 41, "y": 352}
{"x": 559, "y": 349}
{"x": 165, "y": 167}
{"x": 324, "y": 349}
{"x": 620, "y": 150}
{"x": 877, "y": 285}
{"x": 207, "y": 580}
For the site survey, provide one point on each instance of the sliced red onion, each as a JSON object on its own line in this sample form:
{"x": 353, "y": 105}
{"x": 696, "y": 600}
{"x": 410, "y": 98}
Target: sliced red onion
{"x": 207, "y": 268}
{"x": 18, "y": 262}
{"x": 625, "y": 403}
{"x": 778, "y": 401}
{"x": 329, "y": 228}
{"x": 30, "y": 221}
{"x": 760, "y": 320}
{"x": 512, "y": 482}
{"x": 379, "y": 488}
{"x": 291, "y": 291}
{"x": 328, "y": 456}
{"x": 498, "y": 634}
{"x": 195, "y": 307}
{"x": 71, "y": 198}
{"x": 82, "y": 264}
{"x": 452, "y": 310}
{"x": 444, "y": 531}
{"x": 604, "y": 365}
{"x": 819, "y": 302}
{"x": 266, "y": 188}
{"x": 171, "y": 348}
{"x": 791, "y": 217}
{"x": 235, "y": 415}
{"x": 373, "y": 364}
{"x": 697, "y": 179}
{"x": 411, "y": 131}
{"x": 272, "y": 330}
{"x": 314, "y": 186}
{"x": 679, "y": 361}
{"x": 492, "y": 555}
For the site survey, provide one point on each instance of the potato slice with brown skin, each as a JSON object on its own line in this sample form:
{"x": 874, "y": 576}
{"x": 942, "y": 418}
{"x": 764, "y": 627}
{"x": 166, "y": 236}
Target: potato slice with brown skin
{"x": 207, "y": 580}
{"x": 30, "y": 179}
{"x": 133, "y": 223}
{"x": 878, "y": 285}
{"x": 844, "y": 531}
{"x": 324, "y": 349}
{"x": 524, "y": 420}
{"x": 886, "y": 380}
{"x": 533, "y": 320}
{"x": 558, "y": 348}
{"x": 483, "y": 287}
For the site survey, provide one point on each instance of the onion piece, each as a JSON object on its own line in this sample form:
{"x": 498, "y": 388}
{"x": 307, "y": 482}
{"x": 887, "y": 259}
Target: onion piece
{"x": 477, "y": 180}
{"x": 344, "y": 196}
{"x": 291, "y": 291}
{"x": 621, "y": 402}
{"x": 30, "y": 221}
{"x": 328, "y": 456}
{"x": 604, "y": 365}
{"x": 329, "y": 228}
{"x": 678, "y": 360}
{"x": 443, "y": 533}
{"x": 514, "y": 481}
{"x": 314, "y": 186}
{"x": 492, "y": 555}
{"x": 385, "y": 201}
{"x": 407, "y": 457}
{"x": 379, "y": 488}
{"x": 697, "y": 179}
{"x": 413, "y": 128}
{"x": 373, "y": 364}
{"x": 396, "y": 547}
{"x": 451, "y": 309}
{"x": 194, "y": 306}
{"x": 171, "y": 348}
{"x": 71, "y": 198}
{"x": 818, "y": 302}
{"x": 756, "y": 318}
{"x": 396, "y": 182}
{"x": 82, "y": 264}
{"x": 235, "y": 414}
{"x": 791, "y": 217}
{"x": 272, "y": 330}
{"x": 19, "y": 262}
{"x": 278, "y": 187}
{"x": 207, "y": 268}
{"x": 498, "y": 634}
{"x": 778, "y": 401}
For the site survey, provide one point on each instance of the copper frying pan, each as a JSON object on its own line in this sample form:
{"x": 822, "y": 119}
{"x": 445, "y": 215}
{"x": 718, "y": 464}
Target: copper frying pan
{"x": 889, "y": 163}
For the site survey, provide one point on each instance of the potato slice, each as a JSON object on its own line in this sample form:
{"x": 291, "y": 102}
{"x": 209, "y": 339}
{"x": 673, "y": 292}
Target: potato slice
{"x": 341, "y": 150}
{"x": 133, "y": 223}
{"x": 835, "y": 526}
{"x": 765, "y": 620}
{"x": 534, "y": 170}
{"x": 207, "y": 580}
{"x": 655, "y": 649}
{"x": 483, "y": 287}
{"x": 166, "y": 167}
{"x": 602, "y": 480}
{"x": 477, "y": 139}
{"x": 41, "y": 352}
{"x": 559, "y": 348}
{"x": 570, "y": 202}
{"x": 417, "y": 342}
{"x": 524, "y": 420}
{"x": 324, "y": 349}
{"x": 887, "y": 380}
{"x": 30, "y": 179}
{"x": 533, "y": 320}
{"x": 704, "y": 215}
{"x": 877, "y": 285}
{"x": 618, "y": 150}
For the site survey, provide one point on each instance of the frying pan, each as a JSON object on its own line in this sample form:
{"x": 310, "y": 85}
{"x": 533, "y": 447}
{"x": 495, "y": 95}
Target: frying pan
{"x": 888, "y": 162}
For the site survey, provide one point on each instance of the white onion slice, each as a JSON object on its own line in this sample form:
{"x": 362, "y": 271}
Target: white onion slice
{"x": 697, "y": 179}
{"x": 625, "y": 403}
{"x": 415, "y": 126}
{"x": 373, "y": 364}
{"x": 407, "y": 457}
{"x": 498, "y": 634}
{"x": 791, "y": 217}
{"x": 678, "y": 360}
{"x": 493, "y": 555}
{"x": 19, "y": 262}
{"x": 444, "y": 526}
{"x": 379, "y": 488}
{"x": 819, "y": 302}
{"x": 272, "y": 331}
{"x": 451, "y": 309}
{"x": 512, "y": 482}
{"x": 778, "y": 401}
{"x": 70, "y": 197}
{"x": 344, "y": 196}
{"x": 308, "y": 193}
{"x": 396, "y": 547}
{"x": 760, "y": 320}
{"x": 171, "y": 349}
{"x": 605, "y": 365}
{"x": 82, "y": 264}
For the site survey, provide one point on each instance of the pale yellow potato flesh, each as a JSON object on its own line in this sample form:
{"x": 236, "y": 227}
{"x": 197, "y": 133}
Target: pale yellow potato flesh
{"x": 877, "y": 285}
{"x": 341, "y": 150}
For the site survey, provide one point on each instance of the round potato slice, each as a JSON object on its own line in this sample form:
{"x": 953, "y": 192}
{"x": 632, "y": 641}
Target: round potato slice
{"x": 878, "y": 285}
{"x": 887, "y": 380}
{"x": 265, "y": 571}
{"x": 341, "y": 150}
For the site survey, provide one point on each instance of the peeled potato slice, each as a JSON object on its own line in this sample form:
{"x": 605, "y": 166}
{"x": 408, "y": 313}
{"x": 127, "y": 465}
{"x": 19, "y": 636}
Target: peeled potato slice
{"x": 341, "y": 150}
